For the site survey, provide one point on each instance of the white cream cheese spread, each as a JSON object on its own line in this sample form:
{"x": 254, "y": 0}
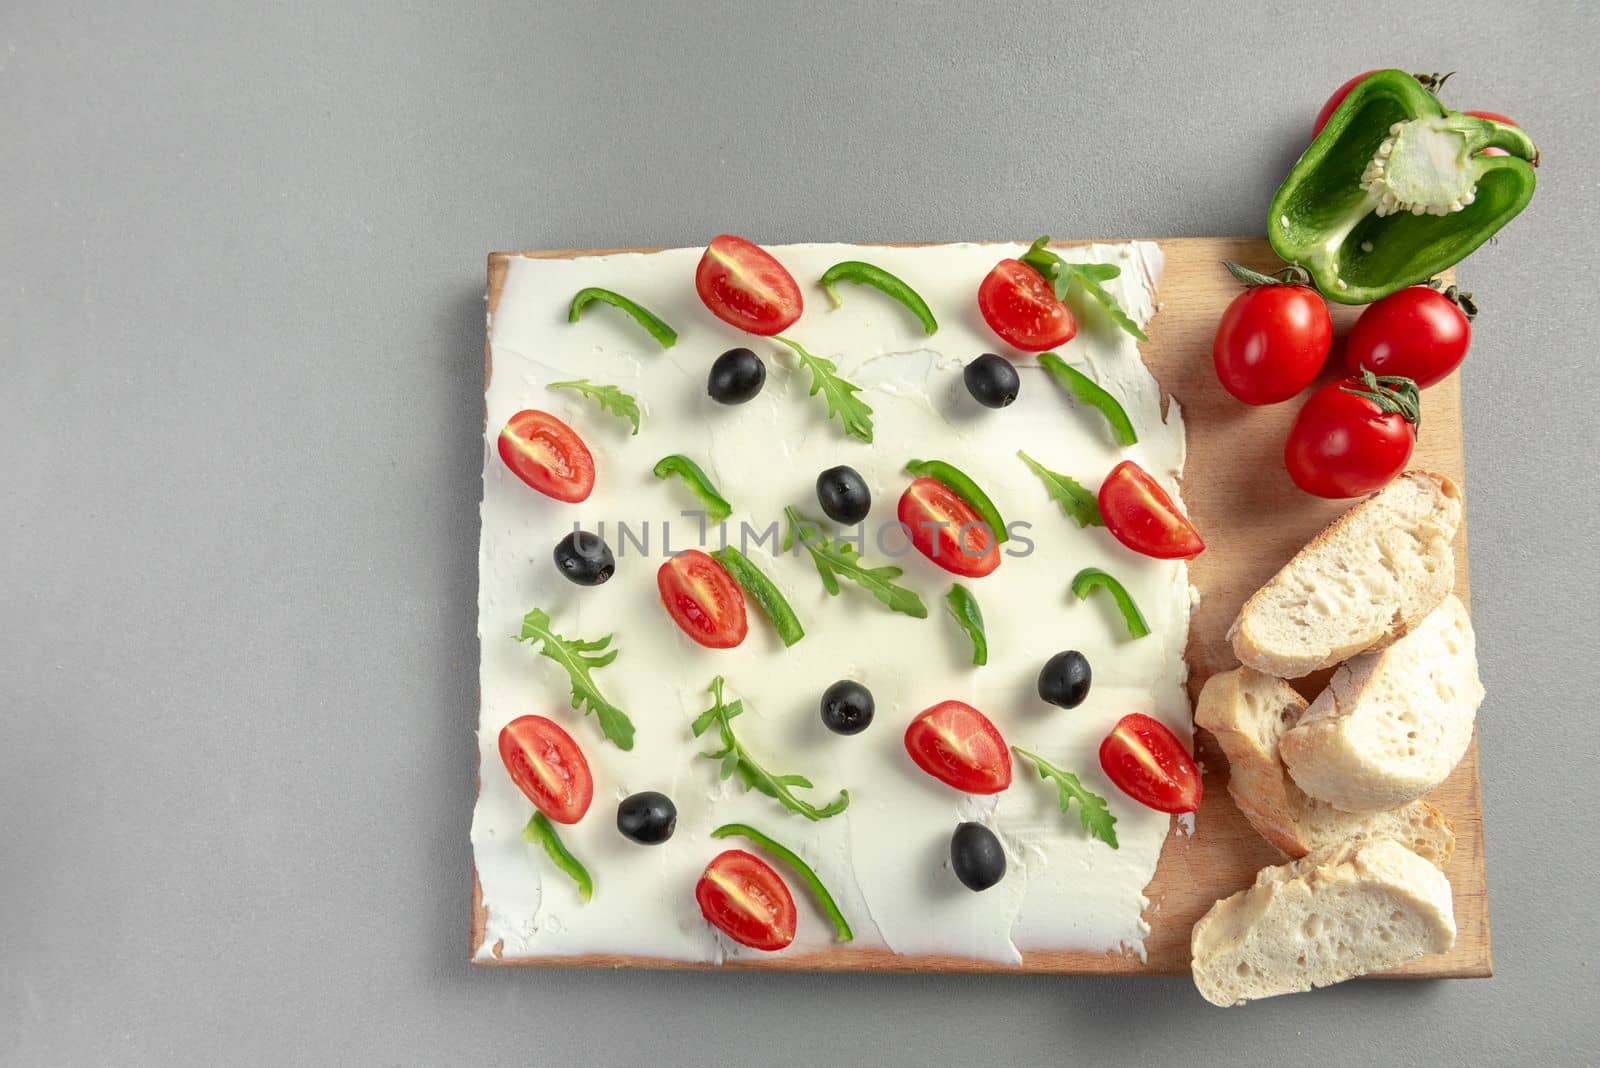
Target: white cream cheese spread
{"x": 886, "y": 858}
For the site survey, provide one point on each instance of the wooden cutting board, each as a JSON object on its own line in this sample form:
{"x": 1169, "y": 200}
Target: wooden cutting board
{"x": 1254, "y": 520}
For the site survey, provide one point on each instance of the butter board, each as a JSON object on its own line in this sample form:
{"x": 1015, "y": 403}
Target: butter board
{"x": 1254, "y": 519}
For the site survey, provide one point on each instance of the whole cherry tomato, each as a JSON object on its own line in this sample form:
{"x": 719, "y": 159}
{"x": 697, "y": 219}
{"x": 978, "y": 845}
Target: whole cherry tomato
{"x": 1417, "y": 333}
{"x": 1353, "y": 436}
{"x": 1271, "y": 342}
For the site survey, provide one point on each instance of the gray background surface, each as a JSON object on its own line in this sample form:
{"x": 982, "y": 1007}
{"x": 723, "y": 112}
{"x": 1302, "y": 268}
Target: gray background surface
{"x": 241, "y": 259}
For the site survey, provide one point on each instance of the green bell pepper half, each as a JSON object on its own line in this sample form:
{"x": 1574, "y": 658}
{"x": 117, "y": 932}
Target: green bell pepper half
{"x": 1395, "y": 190}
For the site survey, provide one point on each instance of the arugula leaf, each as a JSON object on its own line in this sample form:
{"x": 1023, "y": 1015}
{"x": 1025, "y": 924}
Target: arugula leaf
{"x": 736, "y": 760}
{"x": 969, "y": 617}
{"x": 611, "y": 398}
{"x": 835, "y": 560}
{"x": 1093, "y": 813}
{"x": 850, "y": 410}
{"x": 579, "y": 658}
{"x": 717, "y": 508}
{"x": 1076, "y": 503}
{"x": 540, "y": 832}
{"x": 1087, "y": 277}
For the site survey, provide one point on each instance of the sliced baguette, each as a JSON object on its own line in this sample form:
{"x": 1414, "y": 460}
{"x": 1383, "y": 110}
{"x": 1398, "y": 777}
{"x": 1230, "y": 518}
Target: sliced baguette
{"x": 1336, "y": 914}
{"x": 1391, "y": 725}
{"x": 1248, "y": 713}
{"x": 1360, "y": 584}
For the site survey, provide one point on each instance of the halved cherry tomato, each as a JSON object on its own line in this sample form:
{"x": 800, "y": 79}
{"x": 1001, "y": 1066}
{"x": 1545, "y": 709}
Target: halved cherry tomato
{"x": 1335, "y": 100}
{"x": 548, "y": 455}
{"x": 1271, "y": 341}
{"x": 956, "y": 744}
{"x": 1150, "y": 765}
{"x": 547, "y": 766}
{"x": 1140, "y": 515}
{"x": 703, "y": 600}
{"x": 1416, "y": 332}
{"x": 1493, "y": 116}
{"x": 1345, "y": 444}
{"x": 745, "y": 287}
{"x": 747, "y": 901}
{"x": 946, "y": 530}
{"x": 1020, "y": 306}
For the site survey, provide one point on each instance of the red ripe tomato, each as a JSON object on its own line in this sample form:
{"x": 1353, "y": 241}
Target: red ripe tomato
{"x": 548, "y": 455}
{"x": 1021, "y": 307}
{"x": 1139, "y": 514}
{"x": 745, "y": 287}
{"x": 956, "y": 744}
{"x": 946, "y": 530}
{"x": 703, "y": 600}
{"x": 1150, "y": 765}
{"x": 1271, "y": 342}
{"x": 746, "y": 900}
{"x": 547, "y": 766}
{"x": 1352, "y": 436}
{"x": 1335, "y": 100}
{"x": 1418, "y": 333}
{"x": 1493, "y": 116}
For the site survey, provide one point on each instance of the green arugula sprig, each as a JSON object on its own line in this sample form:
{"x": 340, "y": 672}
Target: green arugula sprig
{"x": 843, "y": 404}
{"x": 1093, "y": 812}
{"x": 1077, "y": 503}
{"x": 579, "y": 658}
{"x": 963, "y": 607}
{"x": 1086, "y": 277}
{"x": 540, "y": 832}
{"x": 611, "y": 398}
{"x": 835, "y": 560}
{"x": 736, "y": 760}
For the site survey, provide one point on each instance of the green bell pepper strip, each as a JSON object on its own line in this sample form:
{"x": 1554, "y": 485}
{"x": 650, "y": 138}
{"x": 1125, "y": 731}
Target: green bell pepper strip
{"x": 1085, "y": 389}
{"x": 717, "y": 508}
{"x": 764, "y": 592}
{"x": 841, "y": 926}
{"x": 889, "y": 285}
{"x": 963, "y": 608}
{"x": 961, "y": 484}
{"x": 1089, "y": 579}
{"x": 540, "y": 832}
{"x": 646, "y": 318}
{"x": 1395, "y": 189}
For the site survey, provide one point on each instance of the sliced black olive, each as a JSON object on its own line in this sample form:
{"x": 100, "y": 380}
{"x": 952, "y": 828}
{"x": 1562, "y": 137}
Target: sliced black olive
{"x": 736, "y": 376}
{"x": 847, "y": 707}
{"x": 648, "y": 818}
{"x": 843, "y": 494}
{"x": 991, "y": 380}
{"x": 1064, "y": 679}
{"x": 585, "y": 558}
{"x": 976, "y": 856}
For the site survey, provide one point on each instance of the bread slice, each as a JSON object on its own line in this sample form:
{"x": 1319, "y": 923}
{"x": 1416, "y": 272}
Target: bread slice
{"x": 1336, "y": 914}
{"x": 1393, "y": 724}
{"x": 1360, "y": 584}
{"x": 1248, "y": 713}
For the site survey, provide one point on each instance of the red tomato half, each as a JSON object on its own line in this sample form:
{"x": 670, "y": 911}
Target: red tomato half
{"x": 1271, "y": 342}
{"x": 1417, "y": 332}
{"x": 548, "y": 455}
{"x": 1344, "y": 445}
{"x": 1021, "y": 307}
{"x": 703, "y": 600}
{"x": 547, "y": 766}
{"x": 1335, "y": 100}
{"x": 1140, "y": 515}
{"x": 1150, "y": 765}
{"x": 745, "y": 287}
{"x": 1493, "y": 116}
{"x": 946, "y": 530}
{"x": 956, "y": 744}
{"x": 746, "y": 900}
